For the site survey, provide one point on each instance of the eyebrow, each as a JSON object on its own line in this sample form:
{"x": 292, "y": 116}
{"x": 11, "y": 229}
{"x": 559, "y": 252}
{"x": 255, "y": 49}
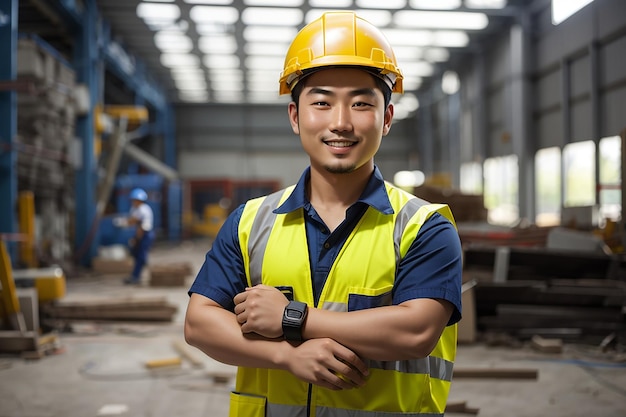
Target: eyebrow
{"x": 354, "y": 93}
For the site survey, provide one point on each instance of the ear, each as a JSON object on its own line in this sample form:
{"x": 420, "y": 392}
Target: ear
{"x": 388, "y": 119}
{"x": 292, "y": 109}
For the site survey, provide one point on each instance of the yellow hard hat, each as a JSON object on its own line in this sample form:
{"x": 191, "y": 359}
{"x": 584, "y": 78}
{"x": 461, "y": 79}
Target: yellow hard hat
{"x": 340, "y": 38}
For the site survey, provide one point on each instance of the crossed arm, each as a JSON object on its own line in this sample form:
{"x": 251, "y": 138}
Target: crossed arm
{"x": 334, "y": 342}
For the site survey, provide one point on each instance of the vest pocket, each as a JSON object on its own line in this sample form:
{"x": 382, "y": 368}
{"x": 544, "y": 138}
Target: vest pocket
{"x": 246, "y": 405}
{"x": 363, "y": 298}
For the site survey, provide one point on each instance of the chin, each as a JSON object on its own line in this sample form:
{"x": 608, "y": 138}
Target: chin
{"x": 340, "y": 168}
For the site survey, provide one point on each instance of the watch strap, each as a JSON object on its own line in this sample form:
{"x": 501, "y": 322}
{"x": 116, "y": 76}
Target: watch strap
{"x": 294, "y": 316}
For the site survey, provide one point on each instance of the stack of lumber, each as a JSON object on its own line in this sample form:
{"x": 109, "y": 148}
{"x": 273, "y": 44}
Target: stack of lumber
{"x": 492, "y": 235}
{"x": 573, "y": 296}
{"x": 170, "y": 274}
{"x": 128, "y": 308}
{"x": 465, "y": 207}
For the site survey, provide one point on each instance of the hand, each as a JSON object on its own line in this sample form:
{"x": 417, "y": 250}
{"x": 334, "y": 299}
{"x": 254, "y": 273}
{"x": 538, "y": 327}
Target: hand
{"x": 327, "y": 363}
{"x": 120, "y": 221}
{"x": 259, "y": 309}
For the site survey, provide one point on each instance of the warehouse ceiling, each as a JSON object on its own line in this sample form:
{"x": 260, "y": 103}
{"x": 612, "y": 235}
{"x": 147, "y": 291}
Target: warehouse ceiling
{"x": 232, "y": 51}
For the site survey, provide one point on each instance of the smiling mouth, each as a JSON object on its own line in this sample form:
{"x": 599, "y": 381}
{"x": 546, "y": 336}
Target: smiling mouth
{"x": 340, "y": 143}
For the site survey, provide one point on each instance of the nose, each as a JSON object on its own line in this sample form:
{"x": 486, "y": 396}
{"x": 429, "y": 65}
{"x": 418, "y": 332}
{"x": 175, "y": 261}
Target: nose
{"x": 341, "y": 119}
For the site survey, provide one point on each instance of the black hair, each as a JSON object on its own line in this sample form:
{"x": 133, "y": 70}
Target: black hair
{"x": 380, "y": 83}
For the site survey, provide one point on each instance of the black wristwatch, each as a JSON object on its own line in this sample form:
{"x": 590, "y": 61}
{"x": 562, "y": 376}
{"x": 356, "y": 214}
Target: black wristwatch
{"x": 293, "y": 319}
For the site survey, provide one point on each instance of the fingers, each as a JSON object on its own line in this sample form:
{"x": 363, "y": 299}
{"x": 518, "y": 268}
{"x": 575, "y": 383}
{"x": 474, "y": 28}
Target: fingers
{"x": 352, "y": 361}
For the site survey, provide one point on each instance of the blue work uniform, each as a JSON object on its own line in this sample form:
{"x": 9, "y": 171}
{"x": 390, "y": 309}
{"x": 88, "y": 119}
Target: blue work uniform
{"x": 145, "y": 217}
{"x": 424, "y": 272}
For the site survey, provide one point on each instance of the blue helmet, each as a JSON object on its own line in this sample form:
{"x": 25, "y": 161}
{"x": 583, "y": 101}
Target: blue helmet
{"x": 138, "y": 194}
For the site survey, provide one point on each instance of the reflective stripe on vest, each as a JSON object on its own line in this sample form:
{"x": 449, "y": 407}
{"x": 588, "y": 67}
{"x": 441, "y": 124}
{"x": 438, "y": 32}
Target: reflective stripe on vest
{"x": 392, "y": 384}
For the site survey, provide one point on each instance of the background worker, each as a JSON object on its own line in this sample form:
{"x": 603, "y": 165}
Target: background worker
{"x": 142, "y": 218}
{"x": 338, "y": 296}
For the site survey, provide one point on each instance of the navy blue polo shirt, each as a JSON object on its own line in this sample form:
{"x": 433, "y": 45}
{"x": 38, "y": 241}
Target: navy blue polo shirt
{"x": 432, "y": 268}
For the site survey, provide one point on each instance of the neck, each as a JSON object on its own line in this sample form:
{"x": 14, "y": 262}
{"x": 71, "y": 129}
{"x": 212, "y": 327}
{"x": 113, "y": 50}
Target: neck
{"x": 326, "y": 189}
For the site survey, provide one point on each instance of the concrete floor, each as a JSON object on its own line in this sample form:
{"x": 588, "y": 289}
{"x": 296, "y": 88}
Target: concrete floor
{"x": 100, "y": 369}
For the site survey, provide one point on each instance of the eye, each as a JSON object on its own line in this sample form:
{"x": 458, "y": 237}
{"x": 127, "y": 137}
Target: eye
{"x": 361, "y": 104}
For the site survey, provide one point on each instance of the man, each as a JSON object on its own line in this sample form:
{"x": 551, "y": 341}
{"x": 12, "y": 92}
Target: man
{"x": 142, "y": 218}
{"x": 338, "y": 296}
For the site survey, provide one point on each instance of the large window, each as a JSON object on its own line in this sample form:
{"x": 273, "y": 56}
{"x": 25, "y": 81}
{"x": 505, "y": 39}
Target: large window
{"x": 579, "y": 163}
{"x": 471, "y": 178}
{"x": 501, "y": 189}
{"x": 610, "y": 178}
{"x": 548, "y": 186}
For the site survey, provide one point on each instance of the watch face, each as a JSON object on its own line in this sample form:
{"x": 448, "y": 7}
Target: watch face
{"x": 294, "y": 314}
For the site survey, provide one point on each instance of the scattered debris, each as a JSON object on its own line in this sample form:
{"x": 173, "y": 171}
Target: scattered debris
{"x": 460, "y": 407}
{"x": 542, "y": 344}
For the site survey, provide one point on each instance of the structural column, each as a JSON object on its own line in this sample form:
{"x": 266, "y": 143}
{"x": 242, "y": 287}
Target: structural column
{"x": 8, "y": 116}
{"x": 86, "y": 62}
{"x": 523, "y": 141}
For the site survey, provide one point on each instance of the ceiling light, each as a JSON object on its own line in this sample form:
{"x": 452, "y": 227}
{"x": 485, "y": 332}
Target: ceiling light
{"x": 225, "y": 44}
{"x": 408, "y": 37}
{"x": 411, "y": 82}
{"x": 179, "y": 60}
{"x": 438, "y": 4}
{"x": 156, "y": 11}
{"x": 268, "y": 33}
{"x": 228, "y": 96}
{"x": 172, "y": 41}
{"x": 191, "y": 71}
{"x": 419, "y": 68}
{"x": 486, "y": 4}
{"x": 271, "y": 15}
{"x": 221, "y": 61}
{"x": 214, "y": 14}
{"x": 265, "y": 97}
{"x": 408, "y": 53}
{"x": 191, "y": 84}
{"x": 218, "y": 85}
{"x": 440, "y": 20}
{"x": 436, "y": 55}
{"x": 214, "y": 28}
{"x": 264, "y": 62}
{"x": 193, "y": 96}
{"x": 450, "y": 82}
{"x": 377, "y": 4}
{"x": 263, "y": 86}
{"x": 330, "y": 3}
{"x": 375, "y": 17}
{"x": 450, "y": 39}
{"x": 281, "y": 3}
{"x": 189, "y": 76}
{"x": 212, "y": 2}
{"x": 269, "y": 78}
{"x": 167, "y": 25}
{"x": 226, "y": 76}
{"x": 266, "y": 48}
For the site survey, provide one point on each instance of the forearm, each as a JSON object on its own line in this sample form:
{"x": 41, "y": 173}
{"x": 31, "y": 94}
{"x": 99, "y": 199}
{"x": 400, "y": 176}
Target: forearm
{"x": 407, "y": 331}
{"x": 215, "y": 331}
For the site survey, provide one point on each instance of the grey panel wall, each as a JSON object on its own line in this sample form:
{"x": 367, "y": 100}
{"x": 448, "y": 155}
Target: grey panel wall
{"x": 572, "y": 78}
{"x": 256, "y": 142}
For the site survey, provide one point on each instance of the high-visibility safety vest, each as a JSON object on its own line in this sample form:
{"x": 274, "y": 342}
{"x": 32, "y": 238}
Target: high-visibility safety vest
{"x": 275, "y": 253}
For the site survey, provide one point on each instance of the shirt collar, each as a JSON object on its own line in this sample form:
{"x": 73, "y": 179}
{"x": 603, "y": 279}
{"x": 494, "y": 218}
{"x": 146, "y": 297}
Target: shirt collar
{"x": 374, "y": 194}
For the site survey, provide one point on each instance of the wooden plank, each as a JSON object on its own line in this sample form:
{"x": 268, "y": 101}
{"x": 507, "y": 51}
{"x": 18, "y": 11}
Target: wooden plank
{"x": 496, "y": 373}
